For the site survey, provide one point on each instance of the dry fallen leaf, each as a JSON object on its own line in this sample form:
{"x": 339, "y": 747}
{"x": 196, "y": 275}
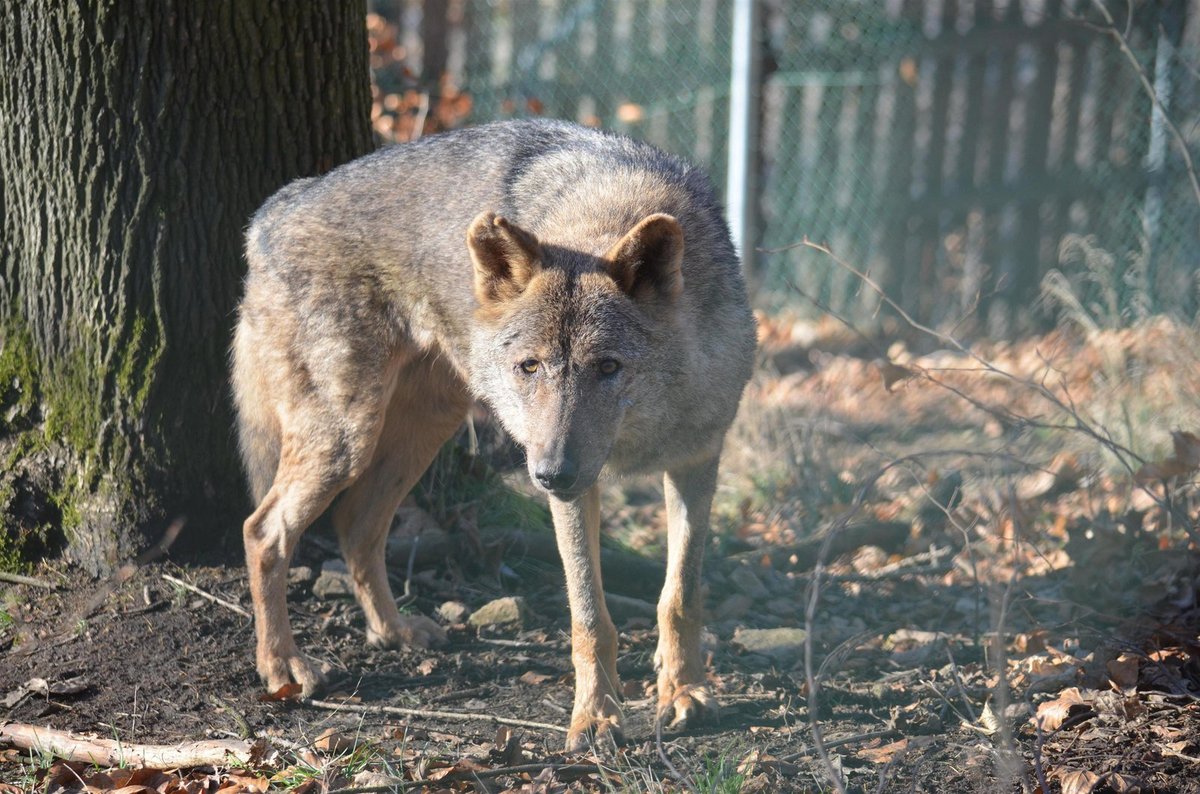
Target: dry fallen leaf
{"x": 1123, "y": 671}
{"x": 892, "y": 373}
{"x": 534, "y": 678}
{"x": 988, "y": 723}
{"x": 1165, "y": 469}
{"x": 256, "y": 785}
{"x": 332, "y": 740}
{"x": 1184, "y": 462}
{"x": 1053, "y": 713}
{"x": 884, "y": 753}
{"x": 1076, "y": 781}
{"x": 1187, "y": 448}
{"x": 289, "y": 691}
{"x": 463, "y": 767}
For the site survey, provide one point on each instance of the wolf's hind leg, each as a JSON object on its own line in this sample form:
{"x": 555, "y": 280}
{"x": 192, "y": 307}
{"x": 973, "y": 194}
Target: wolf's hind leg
{"x": 683, "y": 692}
{"x": 427, "y": 406}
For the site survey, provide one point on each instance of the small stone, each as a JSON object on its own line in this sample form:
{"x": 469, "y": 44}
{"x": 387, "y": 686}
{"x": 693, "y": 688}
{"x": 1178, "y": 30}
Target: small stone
{"x": 733, "y": 607}
{"x": 508, "y": 612}
{"x": 454, "y": 612}
{"x": 748, "y": 582}
{"x": 300, "y": 574}
{"x": 334, "y": 581}
{"x": 784, "y": 607}
{"x": 868, "y": 559}
{"x": 782, "y": 644}
{"x": 623, "y": 608}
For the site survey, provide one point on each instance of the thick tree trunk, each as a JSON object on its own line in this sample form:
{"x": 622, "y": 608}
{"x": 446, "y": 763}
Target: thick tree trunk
{"x": 136, "y": 139}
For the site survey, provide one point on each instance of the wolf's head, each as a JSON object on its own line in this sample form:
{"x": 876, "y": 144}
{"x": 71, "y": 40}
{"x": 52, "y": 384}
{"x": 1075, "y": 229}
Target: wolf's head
{"x": 562, "y": 337}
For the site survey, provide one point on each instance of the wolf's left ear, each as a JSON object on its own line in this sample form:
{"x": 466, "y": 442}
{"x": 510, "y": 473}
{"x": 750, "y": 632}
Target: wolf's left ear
{"x": 506, "y": 258}
{"x": 646, "y": 262}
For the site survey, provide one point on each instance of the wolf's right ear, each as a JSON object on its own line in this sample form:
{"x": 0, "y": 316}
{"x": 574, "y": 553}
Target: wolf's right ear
{"x": 506, "y": 258}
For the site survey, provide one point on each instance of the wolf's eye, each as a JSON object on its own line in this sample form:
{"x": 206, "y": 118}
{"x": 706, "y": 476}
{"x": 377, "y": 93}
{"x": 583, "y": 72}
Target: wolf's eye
{"x": 529, "y": 366}
{"x": 609, "y": 366}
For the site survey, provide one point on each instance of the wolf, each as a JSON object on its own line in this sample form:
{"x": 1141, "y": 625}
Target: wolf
{"x": 580, "y": 283}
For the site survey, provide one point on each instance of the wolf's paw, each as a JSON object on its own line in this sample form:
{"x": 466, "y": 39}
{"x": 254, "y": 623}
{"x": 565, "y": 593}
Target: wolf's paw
{"x": 280, "y": 669}
{"x": 412, "y": 631}
{"x": 600, "y": 732}
{"x": 685, "y": 705}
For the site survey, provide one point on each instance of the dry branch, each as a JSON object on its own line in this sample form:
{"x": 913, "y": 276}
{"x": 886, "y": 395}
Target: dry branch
{"x": 191, "y": 587}
{"x": 109, "y": 752}
{"x": 16, "y": 578}
{"x": 430, "y": 714}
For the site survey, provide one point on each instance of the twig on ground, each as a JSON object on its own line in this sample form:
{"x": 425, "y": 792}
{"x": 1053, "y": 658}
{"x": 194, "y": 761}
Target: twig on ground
{"x": 16, "y": 578}
{"x": 923, "y": 563}
{"x": 203, "y": 594}
{"x": 244, "y": 729}
{"x": 509, "y": 643}
{"x": 431, "y": 714}
{"x": 108, "y": 752}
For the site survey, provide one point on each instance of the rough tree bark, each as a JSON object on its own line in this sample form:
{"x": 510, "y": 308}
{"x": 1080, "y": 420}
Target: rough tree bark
{"x": 136, "y": 139}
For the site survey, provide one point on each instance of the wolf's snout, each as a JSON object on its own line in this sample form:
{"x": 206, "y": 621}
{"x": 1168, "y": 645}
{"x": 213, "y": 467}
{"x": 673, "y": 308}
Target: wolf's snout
{"x": 560, "y": 475}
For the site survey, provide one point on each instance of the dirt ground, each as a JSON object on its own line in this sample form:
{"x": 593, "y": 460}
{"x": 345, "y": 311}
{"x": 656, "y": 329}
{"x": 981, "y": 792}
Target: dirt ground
{"x": 1003, "y": 609}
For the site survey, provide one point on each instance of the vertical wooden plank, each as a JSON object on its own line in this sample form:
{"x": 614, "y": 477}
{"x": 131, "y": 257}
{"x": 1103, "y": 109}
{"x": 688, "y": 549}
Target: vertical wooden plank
{"x": 898, "y": 182}
{"x": 1028, "y": 260}
{"x": 718, "y": 52}
{"x": 823, "y": 176}
{"x": 435, "y": 50}
{"x": 1108, "y": 66}
{"x": 863, "y": 207}
{"x": 997, "y": 118}
{"x": 477, "y": 78}
{"x": 1067, "y": 170}
{"x": 924, "y": 290}
{"x": 1155, "y": 212}
{"x": 523, "y": 81}
{"x": 601, "y": 74}
{"x": 679, "y": 56}
{"x": 963, "y": 180}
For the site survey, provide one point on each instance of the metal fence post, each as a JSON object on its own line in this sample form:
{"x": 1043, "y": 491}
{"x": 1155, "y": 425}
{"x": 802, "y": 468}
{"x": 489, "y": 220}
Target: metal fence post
{"x": 743, "y": 132}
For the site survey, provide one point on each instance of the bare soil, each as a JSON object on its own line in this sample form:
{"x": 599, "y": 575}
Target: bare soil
{"x": 1030, "y": 627}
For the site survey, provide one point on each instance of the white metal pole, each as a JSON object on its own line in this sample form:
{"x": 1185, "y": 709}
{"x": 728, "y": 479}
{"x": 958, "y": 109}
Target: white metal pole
{"x": 743, "y": 118}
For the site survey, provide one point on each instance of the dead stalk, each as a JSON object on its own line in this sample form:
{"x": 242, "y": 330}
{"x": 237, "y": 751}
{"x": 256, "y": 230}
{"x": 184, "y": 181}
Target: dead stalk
{"x": 431, "y": 714}
{"x": 216, "y": 600}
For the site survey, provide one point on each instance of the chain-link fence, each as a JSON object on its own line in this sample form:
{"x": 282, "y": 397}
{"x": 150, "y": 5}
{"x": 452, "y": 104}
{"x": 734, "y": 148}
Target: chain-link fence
{"x": 958, "y": 150}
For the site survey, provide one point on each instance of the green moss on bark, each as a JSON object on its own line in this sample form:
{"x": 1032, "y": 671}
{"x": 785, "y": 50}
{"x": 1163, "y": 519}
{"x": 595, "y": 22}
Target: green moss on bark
{"x": 53, "y": 435}
{"x": 18, "y": 374}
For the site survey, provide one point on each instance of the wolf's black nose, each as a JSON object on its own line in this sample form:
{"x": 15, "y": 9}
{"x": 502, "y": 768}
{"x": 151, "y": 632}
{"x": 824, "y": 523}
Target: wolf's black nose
{"x": 556, "y": 476}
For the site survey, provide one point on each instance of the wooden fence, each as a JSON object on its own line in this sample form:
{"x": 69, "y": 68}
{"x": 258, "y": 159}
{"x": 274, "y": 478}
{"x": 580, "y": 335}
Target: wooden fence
{"x": 948, "y": 146}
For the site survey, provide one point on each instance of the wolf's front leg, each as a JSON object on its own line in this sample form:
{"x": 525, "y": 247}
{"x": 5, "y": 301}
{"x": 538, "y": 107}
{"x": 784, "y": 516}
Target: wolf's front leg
{"x": 597, "y": 713}
{"x": 684, "y": 696}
